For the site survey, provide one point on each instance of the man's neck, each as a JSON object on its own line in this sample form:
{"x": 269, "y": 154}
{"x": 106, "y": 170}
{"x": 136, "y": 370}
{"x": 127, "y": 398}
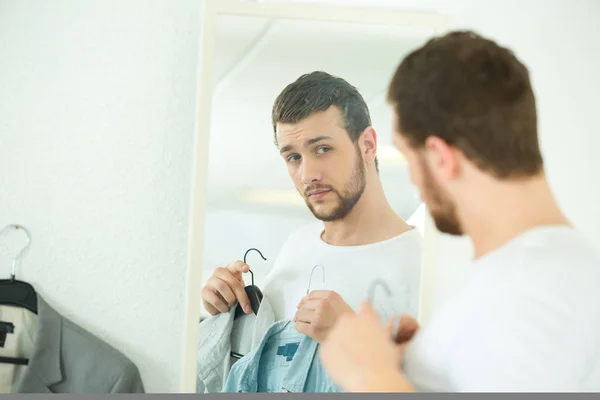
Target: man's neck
{"x": 506, "y": 209}
{"x": 371, "y": 220}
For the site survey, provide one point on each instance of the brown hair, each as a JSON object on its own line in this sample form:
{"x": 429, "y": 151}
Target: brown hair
{"x": 316, "y": 92}
{"x": 475, "y": 95}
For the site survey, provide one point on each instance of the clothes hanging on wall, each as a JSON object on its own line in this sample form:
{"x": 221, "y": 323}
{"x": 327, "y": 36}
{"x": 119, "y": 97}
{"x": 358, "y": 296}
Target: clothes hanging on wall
{"x": 62, "y": 357}
{"x": 284, "y": 361}
{"x": 16, "y": 323}
{"x": 220, "y": 336}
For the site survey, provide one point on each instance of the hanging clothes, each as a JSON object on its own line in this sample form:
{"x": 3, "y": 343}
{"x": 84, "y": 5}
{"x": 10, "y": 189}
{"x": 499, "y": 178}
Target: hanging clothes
{"x": 63, "y": 357}
{"x": 284, "y": 361}
{"x": 223, "y": 334}
{"x": 17, "y": 338}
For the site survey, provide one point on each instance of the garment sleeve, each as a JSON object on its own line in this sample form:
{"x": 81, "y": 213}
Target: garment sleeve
{"x": 517, "y": 342}
{"x": 129, "y": 381}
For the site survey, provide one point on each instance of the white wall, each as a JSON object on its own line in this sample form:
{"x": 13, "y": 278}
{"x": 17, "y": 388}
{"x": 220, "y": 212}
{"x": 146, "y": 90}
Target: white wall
{"x": 96, "y": 126}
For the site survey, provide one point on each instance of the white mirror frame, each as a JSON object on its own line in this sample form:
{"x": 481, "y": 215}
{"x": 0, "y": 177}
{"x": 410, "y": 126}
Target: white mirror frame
{"x": 210, "y": 11}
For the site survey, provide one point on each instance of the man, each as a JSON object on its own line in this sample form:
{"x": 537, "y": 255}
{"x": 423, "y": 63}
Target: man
{"x": 529, "y": 316}
{"x": 323, "y": 132}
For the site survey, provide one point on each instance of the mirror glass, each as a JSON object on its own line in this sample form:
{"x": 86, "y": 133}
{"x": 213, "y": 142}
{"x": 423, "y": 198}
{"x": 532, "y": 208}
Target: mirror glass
{"x": 251, "y": 199}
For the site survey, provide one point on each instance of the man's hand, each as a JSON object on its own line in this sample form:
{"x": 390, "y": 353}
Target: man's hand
{"x": 224, "y": 287}
{"x": 360, "y": 356}
{"x": 318, "y": 312}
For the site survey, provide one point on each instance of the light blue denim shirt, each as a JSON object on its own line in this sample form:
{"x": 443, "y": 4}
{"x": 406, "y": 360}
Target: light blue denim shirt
{"x": 221, "y": 334}
{"x": 284, "y": 361}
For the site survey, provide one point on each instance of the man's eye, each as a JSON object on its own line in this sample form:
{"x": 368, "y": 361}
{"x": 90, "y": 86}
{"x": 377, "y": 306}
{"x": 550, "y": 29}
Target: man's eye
{"x": 323, "y": 150}
{"x": 293, "y": 157}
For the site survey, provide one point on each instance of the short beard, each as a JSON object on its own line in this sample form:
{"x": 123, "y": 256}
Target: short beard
{"x": 348, "y": 198}
{"x": 441, "y": 207}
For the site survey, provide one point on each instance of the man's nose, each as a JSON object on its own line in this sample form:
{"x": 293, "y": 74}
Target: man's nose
{"x": 310, "y": 172}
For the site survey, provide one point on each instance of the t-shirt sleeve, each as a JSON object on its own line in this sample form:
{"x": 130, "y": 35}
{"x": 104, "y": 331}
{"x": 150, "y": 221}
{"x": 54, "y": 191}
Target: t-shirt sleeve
{"x": 515, "y": 342}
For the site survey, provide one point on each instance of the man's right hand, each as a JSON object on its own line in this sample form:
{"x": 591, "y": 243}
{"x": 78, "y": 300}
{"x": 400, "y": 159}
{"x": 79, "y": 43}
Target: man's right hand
{"x": 224, "y": 287}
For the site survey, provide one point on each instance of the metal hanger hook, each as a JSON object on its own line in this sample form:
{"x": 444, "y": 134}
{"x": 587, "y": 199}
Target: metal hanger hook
{"x": 374, "y": 285}
{"x": 17, "y": 258}
{"x": 311, "y": 274}
{"x": 249, "y": 270}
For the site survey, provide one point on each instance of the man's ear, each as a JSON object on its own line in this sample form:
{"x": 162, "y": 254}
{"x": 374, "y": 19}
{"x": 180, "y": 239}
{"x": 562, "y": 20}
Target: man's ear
{"x": 442, "y": 158}
{"x": 369, "y": 141}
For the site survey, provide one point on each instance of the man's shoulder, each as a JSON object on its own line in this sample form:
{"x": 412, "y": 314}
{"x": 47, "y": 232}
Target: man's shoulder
{"x": 551, "y": 266}
{"x": 563, "y": 248}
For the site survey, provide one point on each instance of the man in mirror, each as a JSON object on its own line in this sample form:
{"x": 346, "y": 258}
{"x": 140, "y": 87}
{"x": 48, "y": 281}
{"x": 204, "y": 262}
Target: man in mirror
{"x": 528, "y": 317}
{"x": 322, "y": 129}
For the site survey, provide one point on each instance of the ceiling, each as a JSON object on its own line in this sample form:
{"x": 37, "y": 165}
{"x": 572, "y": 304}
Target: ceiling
{"x": 255, "y": 58}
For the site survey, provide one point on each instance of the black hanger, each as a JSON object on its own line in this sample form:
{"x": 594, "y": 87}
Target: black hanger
{"x": 252, "y": 291}
{"x": 12, "y": 291}
{"x": 254, "y": 295}
{"x": 16, "y": 293}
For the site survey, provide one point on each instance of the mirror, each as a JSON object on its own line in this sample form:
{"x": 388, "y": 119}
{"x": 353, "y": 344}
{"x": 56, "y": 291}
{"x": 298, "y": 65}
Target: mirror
{"x": 252, "y": 199}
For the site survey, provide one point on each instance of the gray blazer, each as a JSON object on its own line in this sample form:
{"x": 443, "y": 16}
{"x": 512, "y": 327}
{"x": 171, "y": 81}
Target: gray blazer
{"x": 68, "y": 359}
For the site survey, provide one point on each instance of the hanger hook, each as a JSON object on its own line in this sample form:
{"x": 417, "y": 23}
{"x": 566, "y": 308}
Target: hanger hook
{"x": 311, "y": 274}
{"x": 383, "y": 284}
{"x": 17, "y": 258}
{"x": 249, "y": 270}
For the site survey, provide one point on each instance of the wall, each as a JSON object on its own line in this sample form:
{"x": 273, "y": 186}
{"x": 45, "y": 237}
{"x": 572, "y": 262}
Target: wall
{"x": 96, "y": 126}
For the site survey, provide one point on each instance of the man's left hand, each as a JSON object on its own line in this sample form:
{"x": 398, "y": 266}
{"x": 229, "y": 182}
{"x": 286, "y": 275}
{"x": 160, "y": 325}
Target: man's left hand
{"x": 360, "y": 356}
{"x": 318, "y": 312}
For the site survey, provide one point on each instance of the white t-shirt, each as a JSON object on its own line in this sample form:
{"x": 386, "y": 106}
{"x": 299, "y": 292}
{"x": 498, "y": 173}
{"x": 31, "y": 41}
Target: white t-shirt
{"x": 348, "y": 270}
{"x": 528, "y": 319}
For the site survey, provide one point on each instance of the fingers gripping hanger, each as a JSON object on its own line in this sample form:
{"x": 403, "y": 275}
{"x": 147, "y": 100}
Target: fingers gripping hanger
{"x": 388, "y": 292}
{"x": 16, "y": 293}
{"x": 254, "y": 295}
{"x": 311, "y": 274}
{"x": 252, "y": 291}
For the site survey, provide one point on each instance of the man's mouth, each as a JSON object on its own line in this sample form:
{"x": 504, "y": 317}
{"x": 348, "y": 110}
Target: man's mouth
{"x": 318, "y": 194}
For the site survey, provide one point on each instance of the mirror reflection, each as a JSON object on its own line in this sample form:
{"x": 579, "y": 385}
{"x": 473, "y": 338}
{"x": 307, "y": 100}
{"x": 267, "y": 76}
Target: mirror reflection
{"x": 302, "y": 170}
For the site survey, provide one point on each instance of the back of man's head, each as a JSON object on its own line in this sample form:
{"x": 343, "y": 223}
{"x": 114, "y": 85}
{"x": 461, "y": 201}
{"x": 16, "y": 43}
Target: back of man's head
{"x": 476, "y": 96}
